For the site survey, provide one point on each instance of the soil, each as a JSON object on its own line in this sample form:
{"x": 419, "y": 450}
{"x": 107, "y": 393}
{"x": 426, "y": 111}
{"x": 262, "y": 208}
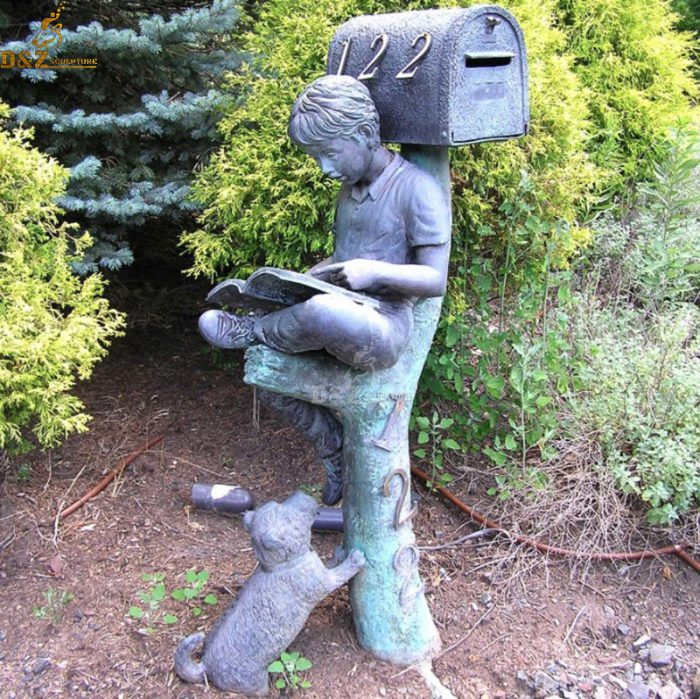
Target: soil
{"x": 512, "y": 623}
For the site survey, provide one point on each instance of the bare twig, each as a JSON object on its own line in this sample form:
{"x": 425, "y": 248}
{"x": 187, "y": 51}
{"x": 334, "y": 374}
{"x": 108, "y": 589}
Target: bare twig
{"x": 109, "y": 477}
{"x": 474, "y": 535}
{"x": 573, "y": 623}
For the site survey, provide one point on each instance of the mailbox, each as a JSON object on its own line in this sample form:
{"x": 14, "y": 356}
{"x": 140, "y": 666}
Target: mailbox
{"x": 439, "y": 77}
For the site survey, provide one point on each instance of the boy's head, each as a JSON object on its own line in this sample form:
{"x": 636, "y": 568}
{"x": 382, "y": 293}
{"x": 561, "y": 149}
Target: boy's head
{"x": 333, "y": 106}
{"x": 334, "y": 120}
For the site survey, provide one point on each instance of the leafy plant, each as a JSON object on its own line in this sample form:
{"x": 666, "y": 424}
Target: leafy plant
{"x": 219, "y": 359}
{"x": 432, "y": 435}
{"x": 55, "y": 601}
{"x": 156, "y": 596}
{"x": 289, "y": 666}
{"x": 193, "y": 591}
{"x": 151, "y": 598}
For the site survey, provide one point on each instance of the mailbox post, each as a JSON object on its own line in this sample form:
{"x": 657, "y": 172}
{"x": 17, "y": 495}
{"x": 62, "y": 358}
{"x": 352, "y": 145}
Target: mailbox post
{"x": 438, "y": 78}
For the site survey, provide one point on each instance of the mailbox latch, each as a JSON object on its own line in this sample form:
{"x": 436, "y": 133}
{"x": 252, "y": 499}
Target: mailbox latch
{"x": 492, "y": 22}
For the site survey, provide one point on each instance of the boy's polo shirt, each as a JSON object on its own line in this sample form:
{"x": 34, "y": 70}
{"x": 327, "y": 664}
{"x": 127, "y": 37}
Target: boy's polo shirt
{"x": 402, "y": 209}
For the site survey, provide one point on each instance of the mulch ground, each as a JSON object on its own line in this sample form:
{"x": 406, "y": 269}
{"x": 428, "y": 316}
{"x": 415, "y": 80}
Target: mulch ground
{"x": 509, "y": 624}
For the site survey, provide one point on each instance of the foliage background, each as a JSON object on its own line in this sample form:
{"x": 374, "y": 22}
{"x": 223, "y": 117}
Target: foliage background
{"x": 54, "y": 326}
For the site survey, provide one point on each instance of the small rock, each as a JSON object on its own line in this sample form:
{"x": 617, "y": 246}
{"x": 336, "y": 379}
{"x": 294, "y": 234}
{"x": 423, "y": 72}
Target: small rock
{"x": 609, "y": 611}
{"x": 637, "y": 669}
{"x": 641, "y": 641}
{"x": 624, "y": 629}
{"x": 567, "y": 694}
{"x": 524, "y": 679}
{"x": 669, "y": 691}
{"x": 660, "y": 656}
{"x": 3, "y": 635}
{"x": 545, "y": 684}
{"x": 40, "y": 666}
{"x": 643, "y": 654}
{"x": 586, "y": 686}
{"x": 602, "y": 693}
{"x": 486, "y": 599}
{"x": 636, "y": 690}
{"x": 2, "y": 657}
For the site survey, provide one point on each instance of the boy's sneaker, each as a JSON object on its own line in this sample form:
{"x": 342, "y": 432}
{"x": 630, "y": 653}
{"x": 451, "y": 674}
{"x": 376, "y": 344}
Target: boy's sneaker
{"x": 227, "y": 330}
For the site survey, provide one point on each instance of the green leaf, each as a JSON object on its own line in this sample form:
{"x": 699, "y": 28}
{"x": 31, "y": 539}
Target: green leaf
{"x": 452, "y": 335}
{"x": 304, "y": 664}
{"x": 510, "y": 442}
{"x": 423, "y": 438}
{"x": 190, "y": 593}
{"x": 158, "y": 592}
{"x": 446, "y": 422}
{"x": 305, "y": 684}
{"x": 420, "y": 453}
{"x": 211, "y": 599}
{"x": 450, "y": 444}
{"x": 494, "y": 386}
{"x": 280, "y": 684}
{"x": 169, "y": 619}
{"x": 178, "y": 594}
{"x": 196, "y": 611}
{"x": 191, "y": 575}
{"x": 136, "y": 612}
{"x": 496, "y": 456}
{"x": 423, "y": 422}
{"x": 203, "y": 576}
{"x": 275, "y": 666}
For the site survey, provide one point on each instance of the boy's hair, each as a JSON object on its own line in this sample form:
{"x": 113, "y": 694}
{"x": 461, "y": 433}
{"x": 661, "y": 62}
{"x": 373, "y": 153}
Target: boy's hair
{"x": 334, "y": 106}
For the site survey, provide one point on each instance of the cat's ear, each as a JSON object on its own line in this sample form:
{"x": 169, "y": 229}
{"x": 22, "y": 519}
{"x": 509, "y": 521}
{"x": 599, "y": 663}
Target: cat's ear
{"x": 248, "y": 518}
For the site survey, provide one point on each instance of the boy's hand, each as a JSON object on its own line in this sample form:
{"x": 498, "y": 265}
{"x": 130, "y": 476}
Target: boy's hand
{"x": 356, "y": 275}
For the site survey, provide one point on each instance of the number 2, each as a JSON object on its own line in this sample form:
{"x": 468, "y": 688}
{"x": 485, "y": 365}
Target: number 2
{"x": 370, "y": 70}
{"x": 409, "y": 70}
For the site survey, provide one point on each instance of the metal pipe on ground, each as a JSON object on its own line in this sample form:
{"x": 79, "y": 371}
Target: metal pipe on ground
{"x": 231, "y": 500}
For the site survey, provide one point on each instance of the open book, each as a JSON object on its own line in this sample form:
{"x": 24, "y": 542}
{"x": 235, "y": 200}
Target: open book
{"x": 269, "y": 289}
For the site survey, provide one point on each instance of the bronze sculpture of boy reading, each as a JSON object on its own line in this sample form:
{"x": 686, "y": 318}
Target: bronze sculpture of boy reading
{"x": 392, "y": 242}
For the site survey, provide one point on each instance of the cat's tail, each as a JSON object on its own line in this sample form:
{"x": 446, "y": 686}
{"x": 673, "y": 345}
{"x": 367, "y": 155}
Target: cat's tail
{"x": 187, "y": 669}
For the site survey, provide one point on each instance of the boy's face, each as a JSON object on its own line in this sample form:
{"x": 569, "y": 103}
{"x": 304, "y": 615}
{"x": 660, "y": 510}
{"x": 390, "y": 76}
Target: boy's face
{"x": 343, "y": 159}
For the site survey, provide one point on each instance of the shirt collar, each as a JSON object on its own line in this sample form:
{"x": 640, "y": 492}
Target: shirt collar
{"x": 359, "y": 192}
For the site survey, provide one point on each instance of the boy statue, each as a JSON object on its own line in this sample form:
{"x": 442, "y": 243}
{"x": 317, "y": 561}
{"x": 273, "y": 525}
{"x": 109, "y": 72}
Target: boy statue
{"x": 392, "y": 233}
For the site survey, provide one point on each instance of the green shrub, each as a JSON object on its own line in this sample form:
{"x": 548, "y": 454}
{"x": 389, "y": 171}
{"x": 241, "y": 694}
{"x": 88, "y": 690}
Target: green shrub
{"x": 639, "y": 398}
{"x": 636, "y": 72}
{"x": 54, "y": 327}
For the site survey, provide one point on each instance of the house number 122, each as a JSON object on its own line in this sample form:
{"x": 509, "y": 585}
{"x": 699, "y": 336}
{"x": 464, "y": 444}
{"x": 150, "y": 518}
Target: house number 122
{"x": 380, "y": 44}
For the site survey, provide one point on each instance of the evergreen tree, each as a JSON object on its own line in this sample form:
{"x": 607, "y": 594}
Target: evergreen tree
{"x": 134, "y": 129}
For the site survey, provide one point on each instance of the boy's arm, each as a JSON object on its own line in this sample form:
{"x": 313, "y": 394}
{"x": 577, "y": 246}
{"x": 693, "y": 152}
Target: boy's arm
{"x": 426, "y": 277}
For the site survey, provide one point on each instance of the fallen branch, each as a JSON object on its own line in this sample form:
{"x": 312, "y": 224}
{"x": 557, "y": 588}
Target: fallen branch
{"x": 114, "y": 473}
{"x": 677, "y": 549}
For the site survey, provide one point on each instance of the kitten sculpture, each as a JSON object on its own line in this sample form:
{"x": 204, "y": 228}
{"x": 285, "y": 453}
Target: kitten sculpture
{"x": 273, "y": 605}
